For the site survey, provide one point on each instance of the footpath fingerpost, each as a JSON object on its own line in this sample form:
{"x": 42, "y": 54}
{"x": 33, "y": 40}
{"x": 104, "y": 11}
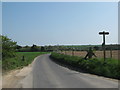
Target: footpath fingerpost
{"x": 103, "y": 44}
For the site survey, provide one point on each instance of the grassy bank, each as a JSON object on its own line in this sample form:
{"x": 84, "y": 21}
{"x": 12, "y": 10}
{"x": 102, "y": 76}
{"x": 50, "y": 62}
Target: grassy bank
{"x": 110, "y": 68}
{"x": 21, "y": 59}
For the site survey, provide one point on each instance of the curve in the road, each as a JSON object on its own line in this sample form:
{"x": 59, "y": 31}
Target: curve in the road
{"x": 47, "y": 74}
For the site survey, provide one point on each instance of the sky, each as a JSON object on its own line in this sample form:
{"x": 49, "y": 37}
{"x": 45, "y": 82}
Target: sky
{"x": 60, "y": 23}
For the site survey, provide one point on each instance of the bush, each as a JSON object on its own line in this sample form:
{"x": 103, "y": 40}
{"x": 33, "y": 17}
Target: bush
{"x": 8, "y": 47}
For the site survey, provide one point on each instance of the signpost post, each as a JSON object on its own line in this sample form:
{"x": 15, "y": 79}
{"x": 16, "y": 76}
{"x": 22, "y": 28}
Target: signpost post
{"x": 103, "y": 44}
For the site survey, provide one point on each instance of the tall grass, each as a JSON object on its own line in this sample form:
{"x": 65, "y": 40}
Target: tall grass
{"x": 110, "y": 68}
{"x": 21, "y": 59}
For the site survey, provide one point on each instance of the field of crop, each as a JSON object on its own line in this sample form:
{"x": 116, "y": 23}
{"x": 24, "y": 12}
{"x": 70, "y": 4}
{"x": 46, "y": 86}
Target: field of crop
{"x": 21, "y": 59}
{"x": 114, "y": 54}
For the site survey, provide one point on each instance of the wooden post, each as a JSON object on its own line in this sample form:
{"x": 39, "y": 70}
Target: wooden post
{"x": 72, "y": 52}
{"x": 111, "y": 53}
{"x": 65, "y": 52}
{"x": 103, "y": 44}
{"x": 23, "y": 58}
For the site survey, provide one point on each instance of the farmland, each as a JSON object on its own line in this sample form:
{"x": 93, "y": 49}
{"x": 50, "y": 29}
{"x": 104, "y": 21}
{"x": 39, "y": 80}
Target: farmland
{"x": 114, "y": 54}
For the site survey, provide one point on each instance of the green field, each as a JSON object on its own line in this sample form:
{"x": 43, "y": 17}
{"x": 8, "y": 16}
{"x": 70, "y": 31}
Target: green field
{"x": 18, "y": 61}
{"x": 110, "y": 68}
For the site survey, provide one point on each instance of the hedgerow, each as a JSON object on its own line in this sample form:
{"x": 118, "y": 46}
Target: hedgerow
{"x": 110, "y": 68}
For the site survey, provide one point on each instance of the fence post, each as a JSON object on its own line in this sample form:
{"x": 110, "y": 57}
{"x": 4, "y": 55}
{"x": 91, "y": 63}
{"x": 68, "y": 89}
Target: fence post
{"x": 65, "y": 52}
{"x": 23, "y": 58}
{"x": 72, "y": 52}
{"x": 111, "y": 53}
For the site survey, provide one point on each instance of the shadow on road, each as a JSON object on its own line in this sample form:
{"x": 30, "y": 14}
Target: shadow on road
{"x": 68, "y": 66}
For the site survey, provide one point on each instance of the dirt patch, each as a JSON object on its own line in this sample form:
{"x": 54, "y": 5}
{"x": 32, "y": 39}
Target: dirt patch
{"x": 12, "y": 79}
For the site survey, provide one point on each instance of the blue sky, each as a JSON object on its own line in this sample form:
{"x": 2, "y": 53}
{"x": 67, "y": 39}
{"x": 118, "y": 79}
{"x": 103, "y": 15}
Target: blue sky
{"x": 63, "y": 23}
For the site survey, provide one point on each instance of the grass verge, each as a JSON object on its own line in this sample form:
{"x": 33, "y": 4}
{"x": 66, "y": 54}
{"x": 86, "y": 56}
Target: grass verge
{"x": 97, "y": 66}
{"x": 21, "y": 59}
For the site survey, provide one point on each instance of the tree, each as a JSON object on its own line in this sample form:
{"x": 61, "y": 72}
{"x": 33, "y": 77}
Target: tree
{"x": 34, "y": 48}
{"x": 18, "y": 47}
{"x": 42, "y": 49}
{"x": 26, "y": 46}
{"x": 8, "y": 47}
{"x": 96, "y": 47}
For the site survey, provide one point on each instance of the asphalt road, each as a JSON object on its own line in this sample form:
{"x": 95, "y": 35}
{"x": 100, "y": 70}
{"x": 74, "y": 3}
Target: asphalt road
{"x": 48, "y": 74}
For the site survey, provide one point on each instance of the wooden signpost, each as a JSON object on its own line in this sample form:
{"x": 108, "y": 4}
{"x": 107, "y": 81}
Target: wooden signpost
{"x": 103, "y": 44}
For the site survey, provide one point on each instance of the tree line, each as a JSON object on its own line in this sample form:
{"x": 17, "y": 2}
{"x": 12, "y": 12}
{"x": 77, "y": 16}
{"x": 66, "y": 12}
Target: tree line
{"x": 9, "y": 47}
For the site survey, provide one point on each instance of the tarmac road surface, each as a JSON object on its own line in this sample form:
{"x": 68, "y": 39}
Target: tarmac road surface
{"x": 48, "y": 74}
